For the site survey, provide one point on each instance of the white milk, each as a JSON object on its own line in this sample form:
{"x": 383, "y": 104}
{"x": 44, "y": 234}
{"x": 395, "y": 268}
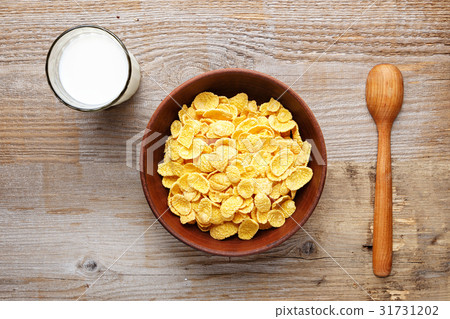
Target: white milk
{"x": 93, "y": 69}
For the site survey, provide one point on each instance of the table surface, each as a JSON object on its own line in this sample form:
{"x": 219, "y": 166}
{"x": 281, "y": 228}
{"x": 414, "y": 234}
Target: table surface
{"x": 73, "y": 214}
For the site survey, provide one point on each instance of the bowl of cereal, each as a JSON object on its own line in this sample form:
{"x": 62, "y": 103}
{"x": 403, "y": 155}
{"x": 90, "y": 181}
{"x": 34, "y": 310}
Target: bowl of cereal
{"x": 233, "y": 162}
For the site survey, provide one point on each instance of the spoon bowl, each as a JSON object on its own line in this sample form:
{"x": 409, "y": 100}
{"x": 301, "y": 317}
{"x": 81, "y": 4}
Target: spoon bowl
{"x": 384, "y": 93}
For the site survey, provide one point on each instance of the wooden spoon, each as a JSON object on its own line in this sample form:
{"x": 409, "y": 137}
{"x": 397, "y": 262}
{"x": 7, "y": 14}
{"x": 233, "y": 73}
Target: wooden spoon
{"x": 384, "y": 97}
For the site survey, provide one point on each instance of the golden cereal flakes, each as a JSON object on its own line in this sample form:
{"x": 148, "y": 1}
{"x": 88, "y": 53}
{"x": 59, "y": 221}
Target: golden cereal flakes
{"x": 233, "y": 166}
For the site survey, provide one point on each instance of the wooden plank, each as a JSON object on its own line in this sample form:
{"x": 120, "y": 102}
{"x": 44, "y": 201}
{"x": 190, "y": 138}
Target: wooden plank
{"x": 56, "y": 246}
{"x": 39, "y": 129}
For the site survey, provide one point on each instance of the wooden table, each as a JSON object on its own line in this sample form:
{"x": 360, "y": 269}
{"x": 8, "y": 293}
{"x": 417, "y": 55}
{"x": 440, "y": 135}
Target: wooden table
{"x": 70, "y": 206}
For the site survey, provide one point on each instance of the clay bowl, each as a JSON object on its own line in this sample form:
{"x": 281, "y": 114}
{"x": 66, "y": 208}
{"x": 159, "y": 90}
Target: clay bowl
{"x": 229, "y": 82}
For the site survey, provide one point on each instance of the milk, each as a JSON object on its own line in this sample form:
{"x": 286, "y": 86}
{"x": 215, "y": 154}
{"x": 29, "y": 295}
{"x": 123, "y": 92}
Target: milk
{"x": 90, "y": 69}
{"x": 93, "y": 69}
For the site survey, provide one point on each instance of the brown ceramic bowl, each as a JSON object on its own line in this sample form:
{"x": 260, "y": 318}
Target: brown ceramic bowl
{"x": 228, "y": 82}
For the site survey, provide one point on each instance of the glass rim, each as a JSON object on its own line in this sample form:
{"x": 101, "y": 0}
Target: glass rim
{"x": 109, "y": 104}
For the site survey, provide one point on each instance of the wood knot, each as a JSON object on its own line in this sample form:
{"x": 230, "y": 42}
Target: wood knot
{"x": 351, "y": 171}
{"x": 308, "y": 247}
{"x": 90, "y": 265}
{"x": 320, "y": 281}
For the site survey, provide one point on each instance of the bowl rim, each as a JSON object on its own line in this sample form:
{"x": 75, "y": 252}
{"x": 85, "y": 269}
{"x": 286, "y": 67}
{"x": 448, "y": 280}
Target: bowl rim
{"x": 297, "y": 226}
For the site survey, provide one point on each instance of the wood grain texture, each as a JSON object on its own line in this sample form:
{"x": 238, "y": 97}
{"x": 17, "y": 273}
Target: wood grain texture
{"x": 69, "y": 205}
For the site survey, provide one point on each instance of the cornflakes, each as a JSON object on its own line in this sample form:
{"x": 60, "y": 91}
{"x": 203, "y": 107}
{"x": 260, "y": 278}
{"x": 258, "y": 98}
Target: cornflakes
{"x": 233, "y": 167}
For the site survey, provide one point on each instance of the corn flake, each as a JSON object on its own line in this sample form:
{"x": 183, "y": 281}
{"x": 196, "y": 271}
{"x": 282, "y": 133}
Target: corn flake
{"x": 239, "y": 217}
{"x": 218, "y": 115}
{"x": 198, "y": 182}
{"x": 299, "y": 177}
{"x": 191, "y": 196}
{"x": 216, "y": 216}
{"x": 284, "y": 115}
{"x": 233, "y": 174}
{"x": 280, "y": 126}
{"x": 247, "y": 229}
{"x": 175, "y": 128}
{"x": 263, "y": 185}
{"x": 261, "y": 217}
{"x": 288, "y": 208}
{"x": 273, "y": 105}
{"x": 222, "y": 128}
{"x": 240, "y": 101}
{"x": 186, "y": 135}
{"x": 230, "y": 206}
{"x": 223, "y": 231}
{"x": 281, "y": 162}
{"x": 262, "y": 202}
{"x": 206, "y": 101}
{"x": 180, "y": 204}
{"x": 246, "y": 188}
{"x": 303, "y": 157}
{"x": 186, "y": 219}
{"x": 169, "y": 181}
{"x": 204, "y": 212}
{"x": 275, "y": 218}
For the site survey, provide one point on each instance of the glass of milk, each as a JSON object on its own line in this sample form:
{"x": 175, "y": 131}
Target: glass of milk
{"x": 90, "y": 69}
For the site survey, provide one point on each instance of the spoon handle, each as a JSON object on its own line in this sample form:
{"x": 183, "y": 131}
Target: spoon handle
{"x": 382, "y": 224}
